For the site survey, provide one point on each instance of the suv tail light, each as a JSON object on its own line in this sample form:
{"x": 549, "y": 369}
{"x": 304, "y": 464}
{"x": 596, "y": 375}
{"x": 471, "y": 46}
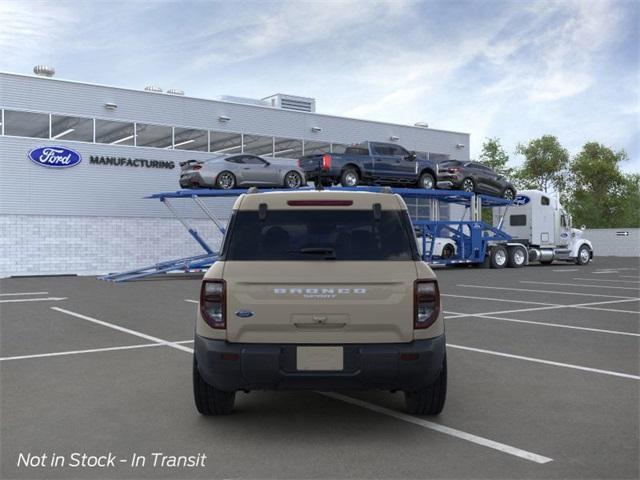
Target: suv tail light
{"x": 326, "y": 161}
{"x": 196, "y": 167}
{"x": 454, "y": 170}
{"x": 213, "y": 303}
{"x": 426, "y": 303}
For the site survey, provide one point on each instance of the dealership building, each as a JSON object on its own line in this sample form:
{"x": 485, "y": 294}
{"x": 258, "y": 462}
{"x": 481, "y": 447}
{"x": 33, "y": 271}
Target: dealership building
{"x": 91, "y": 217}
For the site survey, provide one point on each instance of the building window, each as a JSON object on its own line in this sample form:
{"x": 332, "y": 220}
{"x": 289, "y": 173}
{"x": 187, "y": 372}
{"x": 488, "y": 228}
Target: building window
{"x": 26, "y": 124}
{"x": 114, "y": 133}
{"x": 258, "y": 145}
{"x": 225, "y": 142}
{"x": 190, "y": 139}
{"x": 71, "y": 128}
{"x": 157, "y": 136}
{"x": 287, "y": 148}
{"x": 316, "y": 148}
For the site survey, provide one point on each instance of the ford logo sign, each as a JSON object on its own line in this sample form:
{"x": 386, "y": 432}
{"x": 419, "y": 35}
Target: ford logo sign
{"x": 55, "y": 157}
{"x": 244, "y": 314}
{"x": 521, "y": 200}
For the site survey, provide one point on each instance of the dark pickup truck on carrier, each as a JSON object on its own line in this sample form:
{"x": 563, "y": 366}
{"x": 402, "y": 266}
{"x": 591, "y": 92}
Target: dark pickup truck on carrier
{"x": 371, "y": 163}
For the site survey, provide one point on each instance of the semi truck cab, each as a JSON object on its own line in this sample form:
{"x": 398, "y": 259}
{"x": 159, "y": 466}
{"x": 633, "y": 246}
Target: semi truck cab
{"x": 538, "y": 221}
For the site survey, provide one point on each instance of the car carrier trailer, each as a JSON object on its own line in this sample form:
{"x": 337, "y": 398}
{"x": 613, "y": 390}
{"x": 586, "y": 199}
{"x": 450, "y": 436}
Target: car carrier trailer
{"x": 467, "y": 241}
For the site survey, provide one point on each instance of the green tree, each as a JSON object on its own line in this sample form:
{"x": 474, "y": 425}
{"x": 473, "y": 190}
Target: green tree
{"x": 545, "y": 164}
{"x": 494, "y": 156}
{"x": 600, "y": 195}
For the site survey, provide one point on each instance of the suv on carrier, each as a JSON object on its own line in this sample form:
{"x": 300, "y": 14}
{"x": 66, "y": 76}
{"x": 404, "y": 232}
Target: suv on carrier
{"x": 319, "y": 290}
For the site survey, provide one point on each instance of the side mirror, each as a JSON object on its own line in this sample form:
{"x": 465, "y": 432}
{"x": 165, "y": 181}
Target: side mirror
{"x": 412, "y": 156}
{"x": 583, "y": 228}
{"x": 266, "y": 164}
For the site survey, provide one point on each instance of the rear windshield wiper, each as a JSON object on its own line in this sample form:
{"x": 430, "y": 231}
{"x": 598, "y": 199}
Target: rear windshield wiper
{"x": 330, "y": 253}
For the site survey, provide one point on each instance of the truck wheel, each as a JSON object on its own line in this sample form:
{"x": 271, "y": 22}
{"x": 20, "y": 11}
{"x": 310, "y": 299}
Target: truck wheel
{"x": 584, "y": 255}
{"x": 517, "y": 257}
{"x": 209, "y": 400}
{"x": 429, "y": 401}
{"x": 499, "y": 257}
{"x": 427, "y": 181}
{"x": 349, "y": 178}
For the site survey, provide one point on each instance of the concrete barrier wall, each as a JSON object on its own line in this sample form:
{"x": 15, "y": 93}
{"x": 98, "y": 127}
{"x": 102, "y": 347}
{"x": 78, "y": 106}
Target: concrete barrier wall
{"x": 614, "y": 242}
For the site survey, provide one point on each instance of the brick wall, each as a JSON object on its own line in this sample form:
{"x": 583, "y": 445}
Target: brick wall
{"x": 46, "y": 245}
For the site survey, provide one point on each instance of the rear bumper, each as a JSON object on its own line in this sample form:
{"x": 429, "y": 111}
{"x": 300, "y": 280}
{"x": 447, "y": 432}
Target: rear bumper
{"x": 449, "y": 181}
{"x": 249, "y": 366}
{"x": 190, "y": 180}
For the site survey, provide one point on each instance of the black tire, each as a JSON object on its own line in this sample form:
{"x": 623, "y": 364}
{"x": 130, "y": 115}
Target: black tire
{"x": 349, "y": 177}
{"x": 517, "y": 257}
{"x": 226, "y": 180}
{"x": 508, "y": 194}
{"x": 499, "y": 257}
{"x": 448, "y": 251}
{"x": 293, "y": 180}
{"x": 210, "y": 400}
{"x": 468, "y": 185}
{"x": 429, "y": 401}
{"x": 427, "y": 181}
{"x": 584, "y": 255}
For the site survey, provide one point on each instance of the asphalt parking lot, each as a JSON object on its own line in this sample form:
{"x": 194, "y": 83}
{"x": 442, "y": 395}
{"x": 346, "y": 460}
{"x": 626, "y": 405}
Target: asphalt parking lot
{"x": 543, "y": 383}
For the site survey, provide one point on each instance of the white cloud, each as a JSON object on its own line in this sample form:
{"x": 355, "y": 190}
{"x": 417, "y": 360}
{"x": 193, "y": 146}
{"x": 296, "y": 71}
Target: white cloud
{"x": 32, "y": 29}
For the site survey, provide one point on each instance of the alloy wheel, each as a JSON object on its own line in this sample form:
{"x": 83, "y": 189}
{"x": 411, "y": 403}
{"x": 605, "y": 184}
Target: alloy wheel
{"x": 351, "y": 179}
{"x": 226, "y": 181}
{"x": 293, "y": 180}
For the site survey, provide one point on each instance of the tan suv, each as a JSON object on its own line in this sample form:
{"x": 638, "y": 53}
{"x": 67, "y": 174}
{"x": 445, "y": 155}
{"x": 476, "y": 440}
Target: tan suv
{"x": 319, "y": 290}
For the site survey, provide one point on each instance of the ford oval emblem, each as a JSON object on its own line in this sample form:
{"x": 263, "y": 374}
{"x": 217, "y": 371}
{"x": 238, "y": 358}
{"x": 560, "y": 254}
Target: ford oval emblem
{"x": 521, "y": 200}
{"x": 244, "y": 314}
{"x": 55, "y": 157}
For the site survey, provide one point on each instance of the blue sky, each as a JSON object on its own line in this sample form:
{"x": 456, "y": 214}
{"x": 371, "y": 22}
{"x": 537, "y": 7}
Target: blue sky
{"x": 514, "y": 70}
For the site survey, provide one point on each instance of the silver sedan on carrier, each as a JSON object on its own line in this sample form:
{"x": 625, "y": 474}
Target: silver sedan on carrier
{"x": 241, "y": 170}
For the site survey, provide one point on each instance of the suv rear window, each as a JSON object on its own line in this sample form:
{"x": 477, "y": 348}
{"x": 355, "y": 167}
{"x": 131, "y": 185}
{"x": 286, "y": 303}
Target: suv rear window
{"x": 320, "y": 235}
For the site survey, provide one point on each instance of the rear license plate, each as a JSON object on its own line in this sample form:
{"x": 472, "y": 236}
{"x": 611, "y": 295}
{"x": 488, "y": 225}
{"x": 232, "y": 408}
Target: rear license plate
{"x": 319, "y": 358}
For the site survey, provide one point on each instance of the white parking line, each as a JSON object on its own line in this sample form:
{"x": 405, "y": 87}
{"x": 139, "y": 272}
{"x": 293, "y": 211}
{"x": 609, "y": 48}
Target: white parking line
{"x": 581, "y": 285}
{"x": 587, "y": 306}
{"x": 90, "y": 350}
{"x": 191, "y": 301}
{"x": 628, "y": 276}
{"x": 544, "y": 291}
{"x": 499, "y": 299}
{"x": 567, "y": 270}
{"x": 546, "y": 362}
{"x": 469, "y": 437}
{"x": 23, "y": 293}
{"x": 20, "y": 300}
{"x": 123, "y": 329}
{"x": 545, "y": 324}
{"x": 604, "y": 280}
